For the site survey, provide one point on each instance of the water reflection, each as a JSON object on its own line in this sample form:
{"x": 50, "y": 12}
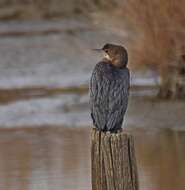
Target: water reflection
{"x": 161, "y": 159}
{"x": 59, "y": 158}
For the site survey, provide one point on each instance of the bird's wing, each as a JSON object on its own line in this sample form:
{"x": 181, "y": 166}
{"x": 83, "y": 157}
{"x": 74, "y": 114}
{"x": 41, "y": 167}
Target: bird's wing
{"x": 108, "y": 97}
{"x": 99, "y": 89}
{"x": 118, "y": 100}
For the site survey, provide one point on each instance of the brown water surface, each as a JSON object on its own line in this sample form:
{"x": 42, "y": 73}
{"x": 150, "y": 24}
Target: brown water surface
{"x": 58, "y": 158}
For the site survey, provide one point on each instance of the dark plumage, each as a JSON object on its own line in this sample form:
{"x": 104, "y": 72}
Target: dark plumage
{"x": 109, "y": 89}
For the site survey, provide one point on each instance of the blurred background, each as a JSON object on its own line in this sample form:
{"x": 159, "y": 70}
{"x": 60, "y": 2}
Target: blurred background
{"x": 46, "y": 60}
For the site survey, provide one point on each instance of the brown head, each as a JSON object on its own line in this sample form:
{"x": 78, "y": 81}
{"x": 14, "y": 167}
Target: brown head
{"x": 116, "y": 55}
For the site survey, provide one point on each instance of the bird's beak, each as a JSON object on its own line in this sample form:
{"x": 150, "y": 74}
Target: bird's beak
{"x": 98, "y": 50}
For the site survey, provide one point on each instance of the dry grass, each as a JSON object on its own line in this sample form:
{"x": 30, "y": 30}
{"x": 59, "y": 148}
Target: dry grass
{"x": 160, "y": 29}
{"x": 159, "y": 26}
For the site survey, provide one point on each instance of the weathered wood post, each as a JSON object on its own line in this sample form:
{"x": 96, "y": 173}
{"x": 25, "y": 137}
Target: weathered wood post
{"x": 113, "y": 161}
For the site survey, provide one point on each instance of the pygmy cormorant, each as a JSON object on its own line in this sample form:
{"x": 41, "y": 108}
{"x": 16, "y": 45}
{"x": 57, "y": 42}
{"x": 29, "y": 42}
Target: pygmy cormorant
{"x": 109, "y": 89}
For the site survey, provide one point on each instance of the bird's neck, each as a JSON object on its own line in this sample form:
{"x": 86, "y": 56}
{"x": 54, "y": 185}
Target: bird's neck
{"x": 115, "y": 63}
{"x": 105, "y": 60}
{"x": 119, "y": 64}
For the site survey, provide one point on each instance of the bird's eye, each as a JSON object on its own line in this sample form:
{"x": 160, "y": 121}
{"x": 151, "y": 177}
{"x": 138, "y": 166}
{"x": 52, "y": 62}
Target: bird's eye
{"x": 106, "y": 51}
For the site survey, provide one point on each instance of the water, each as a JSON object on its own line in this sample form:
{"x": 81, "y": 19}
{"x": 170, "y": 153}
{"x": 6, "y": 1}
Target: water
{"x": 59, "y": 158}
{"x": 161, "y": 156}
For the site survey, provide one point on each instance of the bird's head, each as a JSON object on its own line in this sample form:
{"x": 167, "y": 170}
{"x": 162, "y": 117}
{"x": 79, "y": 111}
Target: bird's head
{"x": 115, "y": 54}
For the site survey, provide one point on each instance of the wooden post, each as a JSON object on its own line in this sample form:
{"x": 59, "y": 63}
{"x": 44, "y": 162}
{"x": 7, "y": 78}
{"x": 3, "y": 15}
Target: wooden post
{"x": 113, "y": 161}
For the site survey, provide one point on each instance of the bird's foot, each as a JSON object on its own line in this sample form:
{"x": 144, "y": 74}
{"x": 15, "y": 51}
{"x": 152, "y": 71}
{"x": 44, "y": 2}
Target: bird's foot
{"x": 116, "y": 130}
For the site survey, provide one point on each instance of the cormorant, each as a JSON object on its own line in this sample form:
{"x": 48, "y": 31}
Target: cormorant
{"x": 109, "y": 89}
